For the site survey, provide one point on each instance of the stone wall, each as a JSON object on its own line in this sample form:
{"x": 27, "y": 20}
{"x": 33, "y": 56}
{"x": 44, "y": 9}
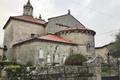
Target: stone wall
{"x": 59, "y": 50}
{"x": 51, "y": 73}
{"x": 8, "y": 34}
{"x": 66, "y": 20}
{"x": 28, "y": 52}
{"x": 65, "y": 73}
{"x": 21, "y": 29}
{"x": 83, "y": 39}
{"x": 18, "y": 31}
{"x": 102, "y": 52}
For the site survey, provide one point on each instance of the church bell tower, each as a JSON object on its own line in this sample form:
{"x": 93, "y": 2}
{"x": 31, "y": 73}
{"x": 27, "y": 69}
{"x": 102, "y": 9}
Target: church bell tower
{"x": 28, "y": 9}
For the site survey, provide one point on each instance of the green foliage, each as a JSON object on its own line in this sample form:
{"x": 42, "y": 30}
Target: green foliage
{"x": 11, "y": 67}
{"x": 108, "y": 70}
{"x": 15, "y": 71}
{"x": 115, "y": 47}
{"x": 4, "y": 63}
{"x": 29, "y": 64}
{"x": 75, "y": 59}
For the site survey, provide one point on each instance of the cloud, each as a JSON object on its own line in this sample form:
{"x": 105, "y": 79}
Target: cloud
{"x": 100, "y": 15}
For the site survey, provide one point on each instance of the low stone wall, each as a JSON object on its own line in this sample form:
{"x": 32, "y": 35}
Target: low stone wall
{"x": 53, "y": 73}
{"x": 63, "y": 73}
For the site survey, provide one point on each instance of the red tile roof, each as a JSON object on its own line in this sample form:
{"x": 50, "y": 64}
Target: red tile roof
{"x": 49, "y": 37}
{"x": 75, "y": 29}
{"x": 29, "y": 19}
{"x": 52, "y": 37}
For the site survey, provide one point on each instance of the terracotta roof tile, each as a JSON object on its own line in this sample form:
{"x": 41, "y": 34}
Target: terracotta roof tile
{"x": 29, "y": 19}
{"x": 49, "y": 37}
{"x": 74, "y": 29}
{"x": 55, "y": 38}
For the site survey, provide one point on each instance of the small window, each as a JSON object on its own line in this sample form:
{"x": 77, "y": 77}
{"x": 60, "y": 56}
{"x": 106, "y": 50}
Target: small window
{"x": 27, "y": 9}
{"x": 88, "y": 47}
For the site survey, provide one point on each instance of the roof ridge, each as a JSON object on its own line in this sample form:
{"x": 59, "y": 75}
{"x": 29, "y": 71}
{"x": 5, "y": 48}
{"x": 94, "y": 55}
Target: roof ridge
{"x": 25, "y": 18}
{"x": 29, "y": 16}
{"x": 58, "y": 16}
{"x": 80, "y": 24}
{"x": 78, "y": 21}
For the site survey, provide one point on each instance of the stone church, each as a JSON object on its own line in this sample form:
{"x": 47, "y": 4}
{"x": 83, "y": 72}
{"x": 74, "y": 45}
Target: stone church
{"x": 33, "y": 40}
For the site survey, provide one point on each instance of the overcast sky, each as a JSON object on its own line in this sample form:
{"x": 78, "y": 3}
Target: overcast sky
{"x": 103, "y": 16}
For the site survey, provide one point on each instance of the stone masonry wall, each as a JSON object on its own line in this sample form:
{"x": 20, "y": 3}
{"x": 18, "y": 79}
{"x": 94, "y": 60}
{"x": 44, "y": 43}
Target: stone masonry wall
{"x": 83, "y": 39}
{"x": 19, "y": 30}
{"x": 67, "y": 20}
{"x": 103, "y": 53}
{"x": 28, "y": 52}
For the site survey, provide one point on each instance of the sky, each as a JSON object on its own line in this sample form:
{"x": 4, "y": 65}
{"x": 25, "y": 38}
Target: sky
{"x": 103, "y": 16}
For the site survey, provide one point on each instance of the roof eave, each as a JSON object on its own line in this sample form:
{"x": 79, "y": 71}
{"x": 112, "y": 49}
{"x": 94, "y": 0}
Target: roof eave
{"x": 44, "y": 40}
{"x": 57, "y": 16}
{"x": 77, "y": 29}
{"x": 6, "y": 23}
{"x": 21, "y": 20}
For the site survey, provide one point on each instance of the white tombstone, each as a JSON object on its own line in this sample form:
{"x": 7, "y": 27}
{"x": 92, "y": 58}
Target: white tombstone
{"x": 64, "y": 58}
{"x": 48, "y": 59}
{"x": 41, "y": 54}
{"x": 56, "y": 58}
{"x": 28, "y": 69}
{"x": 40, "y": 57}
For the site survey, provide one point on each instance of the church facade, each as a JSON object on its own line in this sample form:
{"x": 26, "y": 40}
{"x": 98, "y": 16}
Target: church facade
{"x": 29, "y": 40}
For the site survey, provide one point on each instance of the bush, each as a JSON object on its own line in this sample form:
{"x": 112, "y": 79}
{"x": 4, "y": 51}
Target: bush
{"x": 75, "y": 59}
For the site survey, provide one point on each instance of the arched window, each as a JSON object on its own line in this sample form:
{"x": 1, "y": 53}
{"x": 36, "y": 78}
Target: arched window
{"x": 88, "y": 47}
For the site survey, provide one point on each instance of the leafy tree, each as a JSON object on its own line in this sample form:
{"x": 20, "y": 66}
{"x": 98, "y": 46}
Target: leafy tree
{"x": 115, "y": 47}
{"x": 75, "y": 59}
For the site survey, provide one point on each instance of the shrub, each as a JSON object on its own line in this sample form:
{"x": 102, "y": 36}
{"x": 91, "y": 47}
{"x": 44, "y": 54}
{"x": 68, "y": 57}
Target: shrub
{"x": 75, "y": 59}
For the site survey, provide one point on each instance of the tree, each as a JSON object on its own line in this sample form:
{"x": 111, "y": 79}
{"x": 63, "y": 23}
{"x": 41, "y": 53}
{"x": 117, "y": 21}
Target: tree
{"x": 115, "y": 47}
{"x": 75, "y": 59}
{"x": 115, "y": 51}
